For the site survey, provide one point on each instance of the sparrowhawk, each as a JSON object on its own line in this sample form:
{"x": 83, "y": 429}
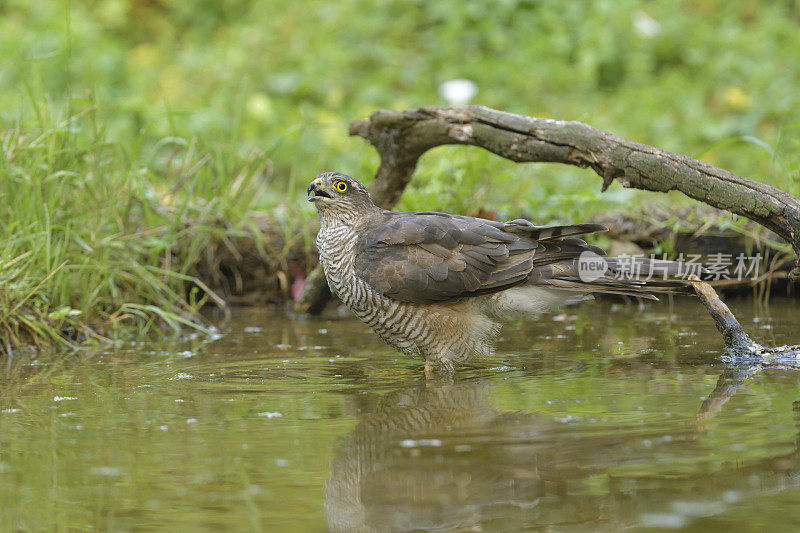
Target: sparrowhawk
{"x": 434, "y": 285}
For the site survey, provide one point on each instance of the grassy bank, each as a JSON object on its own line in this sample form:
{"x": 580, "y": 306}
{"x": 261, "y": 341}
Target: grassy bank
{"x": 100, "y": 236}
{"x": 139, "y": 136}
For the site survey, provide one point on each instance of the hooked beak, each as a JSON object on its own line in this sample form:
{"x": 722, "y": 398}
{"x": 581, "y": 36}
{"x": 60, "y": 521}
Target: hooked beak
{"x": 315, "y": 191}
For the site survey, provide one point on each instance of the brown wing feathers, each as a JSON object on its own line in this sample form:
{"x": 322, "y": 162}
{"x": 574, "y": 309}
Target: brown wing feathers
{"x": 432, "y": 257}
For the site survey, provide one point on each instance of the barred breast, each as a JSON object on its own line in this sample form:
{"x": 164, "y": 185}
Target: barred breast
{"x": 442, "y": 334}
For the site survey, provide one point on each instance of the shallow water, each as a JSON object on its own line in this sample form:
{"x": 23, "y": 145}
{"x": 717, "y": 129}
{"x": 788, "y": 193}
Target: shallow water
{"x": 602, "y": 418}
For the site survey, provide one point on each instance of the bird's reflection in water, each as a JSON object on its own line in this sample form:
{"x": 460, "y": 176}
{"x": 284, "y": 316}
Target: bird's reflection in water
{"x": 440, "y": 456}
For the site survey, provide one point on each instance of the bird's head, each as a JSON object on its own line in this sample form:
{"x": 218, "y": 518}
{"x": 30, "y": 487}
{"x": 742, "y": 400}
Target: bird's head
{"x": 338, "y": 196}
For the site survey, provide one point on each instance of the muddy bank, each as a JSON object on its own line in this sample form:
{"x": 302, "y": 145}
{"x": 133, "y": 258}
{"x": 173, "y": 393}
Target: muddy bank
{"x": 269, "y": 270}
{"x": 273, "y": 270}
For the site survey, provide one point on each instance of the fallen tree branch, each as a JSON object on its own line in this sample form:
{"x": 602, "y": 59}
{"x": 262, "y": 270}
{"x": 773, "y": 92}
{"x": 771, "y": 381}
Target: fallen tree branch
{"x": 401, "y": 138}
{"x": 731, "y": 329}
{"x": 739, "y": 347}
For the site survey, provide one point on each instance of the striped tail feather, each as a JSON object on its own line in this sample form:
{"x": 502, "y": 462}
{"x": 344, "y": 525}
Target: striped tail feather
{"x": 527, "y": 229}
{"x": 622, "y": 288}
{"x": 562, "y": 252}
{"x": 629, "y": 276}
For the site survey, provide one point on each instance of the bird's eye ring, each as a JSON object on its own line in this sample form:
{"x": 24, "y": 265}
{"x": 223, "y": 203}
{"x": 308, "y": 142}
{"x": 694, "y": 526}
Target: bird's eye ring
{"x": 340, "y": 185}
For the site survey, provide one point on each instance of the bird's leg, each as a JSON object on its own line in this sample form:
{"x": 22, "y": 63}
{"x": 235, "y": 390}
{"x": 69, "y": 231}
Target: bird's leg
{"x": 430, "y": 370}
{"x": 435, "y": 368}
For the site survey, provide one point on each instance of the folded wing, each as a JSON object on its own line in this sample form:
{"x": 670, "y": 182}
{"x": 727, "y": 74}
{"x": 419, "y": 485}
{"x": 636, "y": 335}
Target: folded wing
{"x": 427, "y": 257}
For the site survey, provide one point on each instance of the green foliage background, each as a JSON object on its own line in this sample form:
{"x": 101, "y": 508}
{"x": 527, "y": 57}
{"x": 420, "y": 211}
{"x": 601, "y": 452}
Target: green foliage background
{"x": 129, "y": 119}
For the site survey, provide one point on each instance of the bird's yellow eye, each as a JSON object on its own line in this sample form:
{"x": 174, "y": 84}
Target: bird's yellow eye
{"x": 340, "y": 185}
